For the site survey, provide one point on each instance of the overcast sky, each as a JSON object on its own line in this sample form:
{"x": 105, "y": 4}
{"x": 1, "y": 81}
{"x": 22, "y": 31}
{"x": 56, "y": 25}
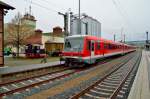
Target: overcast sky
{"x": 132, "y": 17}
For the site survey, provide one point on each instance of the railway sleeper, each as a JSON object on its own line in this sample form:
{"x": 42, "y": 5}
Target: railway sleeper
{"x": 103, "y": 90}
{"x": 113, "y": 79}
{"x": 122, "y": 94}
{"x": 119, "y": 96}
{"x": 10, "y": 87}
{"x": 109, "y": 83}
{"x": 89, "y": 96}
{"x": 107, "y": 87}
{"x": 115, "y": 76}
{"x": 99, "y": 94}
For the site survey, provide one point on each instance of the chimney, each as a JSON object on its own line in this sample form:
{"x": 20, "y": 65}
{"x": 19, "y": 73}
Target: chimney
{"x": 38, "y": 31}
{"x": 57, "y": 30}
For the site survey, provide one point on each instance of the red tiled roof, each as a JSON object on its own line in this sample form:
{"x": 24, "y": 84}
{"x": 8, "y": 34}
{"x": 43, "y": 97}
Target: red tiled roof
{"x": 34, "y": 39}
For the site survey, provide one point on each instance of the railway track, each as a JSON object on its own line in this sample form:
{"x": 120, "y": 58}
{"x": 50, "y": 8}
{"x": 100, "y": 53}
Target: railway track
{"x": 13, "y": 87}
{"x": 114, "y": 85}
{"x": 16, "y": 86}
{"x": 24, "y": 74}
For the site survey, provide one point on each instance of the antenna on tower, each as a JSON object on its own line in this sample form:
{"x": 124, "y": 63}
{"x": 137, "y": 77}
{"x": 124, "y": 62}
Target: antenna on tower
{"x": 25, "y": 11}
{"x": 30, "y": 9}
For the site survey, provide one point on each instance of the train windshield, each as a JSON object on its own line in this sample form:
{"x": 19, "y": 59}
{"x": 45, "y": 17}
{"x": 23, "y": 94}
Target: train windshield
{"x": 73, "y": 44}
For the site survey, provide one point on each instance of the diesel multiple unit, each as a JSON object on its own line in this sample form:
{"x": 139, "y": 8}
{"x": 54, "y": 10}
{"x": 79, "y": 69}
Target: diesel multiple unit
{"x": 83, "y": 49}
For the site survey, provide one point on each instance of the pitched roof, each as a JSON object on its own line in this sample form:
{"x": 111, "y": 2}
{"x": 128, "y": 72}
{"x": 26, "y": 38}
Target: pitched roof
{"x": 34, "y": 39}
{"x": 55, "y": 35}
{"x": 6, "y": 6}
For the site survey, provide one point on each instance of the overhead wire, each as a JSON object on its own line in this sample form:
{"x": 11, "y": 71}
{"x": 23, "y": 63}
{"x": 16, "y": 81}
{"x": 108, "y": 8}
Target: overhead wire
{"x": 123, "y": 14}
{"x": 53, "y": 4}
{"x": 126, "y": 15}
{"x": 39, "y": 5}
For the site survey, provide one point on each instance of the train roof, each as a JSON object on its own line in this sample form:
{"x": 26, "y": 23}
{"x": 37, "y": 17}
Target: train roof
{"x": 74, "y": 36}
{"x": 97, "y": 38}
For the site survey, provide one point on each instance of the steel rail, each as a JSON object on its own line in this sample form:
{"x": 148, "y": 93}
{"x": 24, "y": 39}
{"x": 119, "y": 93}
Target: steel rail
{"x": 27, "y": 78}
{"x": 76, "y": 96}
{"x": 34, "y": 84}
{"x": 115, "y": 93}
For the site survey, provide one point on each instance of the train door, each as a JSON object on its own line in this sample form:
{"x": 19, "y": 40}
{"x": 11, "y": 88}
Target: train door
{"x": 92, "y": 52}
{"x": 92, "y": 48}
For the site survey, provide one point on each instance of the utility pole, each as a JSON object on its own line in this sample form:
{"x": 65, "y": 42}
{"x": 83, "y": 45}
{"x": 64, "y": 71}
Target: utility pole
{"x": 65, "y": 22}
{"x": 114, "y": 37}
{"x": 146, "y": 36}
{"x": 121, "y": 35}
{"x": 79, "y": 9}
{"x": 124, "y": 37}
{"x": 79, "y": 22}
{"x": 71, "y": 22}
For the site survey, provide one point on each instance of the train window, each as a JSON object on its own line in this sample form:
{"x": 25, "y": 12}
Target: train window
{"x": 98, "y": 45}
{"x": 89, "y": 45}
{"x": 115, "y": 46}
{"x": 67, "y": 44}
{"x": 92, "y": 46}
{"x": 74, "y": 44}
{"x": 105, "y": 45}
{"x": 111, "y": 46}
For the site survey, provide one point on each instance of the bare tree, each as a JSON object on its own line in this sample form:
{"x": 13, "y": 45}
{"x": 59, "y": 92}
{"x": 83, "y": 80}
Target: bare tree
{"x": 17, "y": 31}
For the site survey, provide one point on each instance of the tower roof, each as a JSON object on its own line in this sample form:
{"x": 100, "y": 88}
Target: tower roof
{"x": 29, "y": 17}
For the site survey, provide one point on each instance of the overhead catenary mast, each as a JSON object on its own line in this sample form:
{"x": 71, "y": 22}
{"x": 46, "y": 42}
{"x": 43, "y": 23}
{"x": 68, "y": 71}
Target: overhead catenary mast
{"x": 79, "y": 22}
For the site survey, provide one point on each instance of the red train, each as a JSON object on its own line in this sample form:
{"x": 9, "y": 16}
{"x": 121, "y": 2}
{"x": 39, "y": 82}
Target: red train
{"x": 82, "y": 49}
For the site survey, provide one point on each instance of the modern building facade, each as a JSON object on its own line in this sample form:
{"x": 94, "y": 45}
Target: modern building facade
{"x": 85, "y": 26}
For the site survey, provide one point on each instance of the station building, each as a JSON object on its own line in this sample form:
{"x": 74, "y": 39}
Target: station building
{"x": 53, "y": 41}
{"x": 50, "y": 41}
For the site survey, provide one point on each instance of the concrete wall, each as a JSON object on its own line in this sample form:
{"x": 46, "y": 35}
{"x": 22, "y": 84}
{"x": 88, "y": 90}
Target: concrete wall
{"x": 51, "y": 39}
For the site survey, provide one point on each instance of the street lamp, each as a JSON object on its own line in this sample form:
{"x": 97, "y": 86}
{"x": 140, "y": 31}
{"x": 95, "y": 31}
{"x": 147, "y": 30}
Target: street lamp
{"x": 65, "y": 22}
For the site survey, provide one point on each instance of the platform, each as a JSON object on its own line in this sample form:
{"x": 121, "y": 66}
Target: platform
{"x": 14, "y": 69}
{"x": 141, "y": 84}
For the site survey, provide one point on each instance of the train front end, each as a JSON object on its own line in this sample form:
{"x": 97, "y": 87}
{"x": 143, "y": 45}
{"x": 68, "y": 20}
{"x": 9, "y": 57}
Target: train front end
{"x": 73, "y": 51}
